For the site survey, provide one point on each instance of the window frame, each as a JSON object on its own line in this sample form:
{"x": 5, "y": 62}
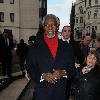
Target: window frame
{"x": 1, "y": 16}
{"x": 12, "y": 17}
{"x": 1, "y": 1}
{"x": 12, "y": 1}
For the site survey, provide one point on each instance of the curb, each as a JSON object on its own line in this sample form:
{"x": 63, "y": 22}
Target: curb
{"x": 5, "y": 82}
{"x": 23, "y": 91}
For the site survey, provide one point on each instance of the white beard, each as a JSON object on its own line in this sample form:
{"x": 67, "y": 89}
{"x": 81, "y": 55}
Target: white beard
{"x": 51, "y": 35}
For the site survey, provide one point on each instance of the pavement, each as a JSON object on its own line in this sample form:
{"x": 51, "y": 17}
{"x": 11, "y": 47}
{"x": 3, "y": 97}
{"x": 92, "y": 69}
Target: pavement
{"x": 27, "y": 93}
{"x": 13, "y": 91}
{"x": 20, "y": 89}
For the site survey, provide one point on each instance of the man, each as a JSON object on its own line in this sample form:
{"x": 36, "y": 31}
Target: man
{"x": 85, "y": 45}
{"x": 21, "y": 53}
{"x": 97, "y": 45}
{"x": 67, "y": 37}
{"x": 51, "y": 63}
{"x": 6, "y": 46}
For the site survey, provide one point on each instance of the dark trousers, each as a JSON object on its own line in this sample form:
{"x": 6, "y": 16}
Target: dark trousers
{"x": 6, "y": 67}
{"x": 6, "y": 64}
{"x": 22, "y": 62}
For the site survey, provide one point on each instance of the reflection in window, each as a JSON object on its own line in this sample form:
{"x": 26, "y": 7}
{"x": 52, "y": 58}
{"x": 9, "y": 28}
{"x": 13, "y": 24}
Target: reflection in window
{"x": 1, "y": 16}
{"x": 12, "y": 17}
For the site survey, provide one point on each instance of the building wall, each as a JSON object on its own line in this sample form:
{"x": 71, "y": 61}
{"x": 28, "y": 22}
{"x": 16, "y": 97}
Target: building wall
{"x": 8, "y": 8}
{"x": 26, "y": 18}
{"x": 93, "y": 21}
{"x": 29, "y": 18}
{"x": 89, "y": 23}
{"x": 79, "y": 26}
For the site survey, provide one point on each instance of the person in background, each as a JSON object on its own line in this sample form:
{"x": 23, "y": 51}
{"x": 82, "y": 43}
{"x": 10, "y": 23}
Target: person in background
{"x": 97, "y": 45}
{"x": 30, "y": 44}
{"x": 22, "y": 53}
{"x": 31, "y": 40}
{"x": 6, "y": 46}
{"x": 84, "y": 45}
{"x": 66, "y": 36}
{"x": 89, "y": 80}
{"x": 50, "y": 63}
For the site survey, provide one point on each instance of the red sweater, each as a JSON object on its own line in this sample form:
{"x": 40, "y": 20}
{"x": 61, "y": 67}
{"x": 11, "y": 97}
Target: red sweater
{"x": 52, "y": 44}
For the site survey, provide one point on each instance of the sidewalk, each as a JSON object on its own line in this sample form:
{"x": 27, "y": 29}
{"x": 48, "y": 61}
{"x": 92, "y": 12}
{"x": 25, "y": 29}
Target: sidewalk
{"x": 14, "y": 89}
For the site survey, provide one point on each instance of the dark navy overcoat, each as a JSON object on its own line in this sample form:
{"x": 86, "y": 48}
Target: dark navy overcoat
{"x": 40, "y": 60}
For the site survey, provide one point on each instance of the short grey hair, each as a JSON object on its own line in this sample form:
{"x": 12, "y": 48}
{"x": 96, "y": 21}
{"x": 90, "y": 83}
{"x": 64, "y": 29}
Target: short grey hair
{"x": 52, "y": 15}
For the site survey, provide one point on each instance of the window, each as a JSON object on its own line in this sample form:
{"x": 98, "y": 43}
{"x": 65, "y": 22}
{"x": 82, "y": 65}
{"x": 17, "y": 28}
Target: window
{"x": 96, "y": 11}
{"x": 95, "y": 15}
{"x": 40, "y": 4}
{"x": 76, "y": 19}
{"x": 81, "y": 19}
{"x": 85, "y": 3}
{"x": 95, "y": 27}
{"x": 44, "y": 5}
{"x": 12, "y": 17}
{"x": 92, "y": 28}
{"x": 81, "y": 10}
{"x": 1, "y": 16}
{"x": 89, "y": 2}
{"x": 1, "y": 1}
{"x": 96, "y": 1}
{"x": 88, "y": 29}
{"x": 88, "y": 15}
{"x": 11, "y": 1}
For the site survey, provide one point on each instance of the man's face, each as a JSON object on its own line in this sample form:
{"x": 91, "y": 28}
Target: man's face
{"x": 87, "y": 40}
{"x": 5, "y": 34}
{"x": 50, "y": 26}
{"x": 97, "y": 44}
{"x": 66, "y": 32}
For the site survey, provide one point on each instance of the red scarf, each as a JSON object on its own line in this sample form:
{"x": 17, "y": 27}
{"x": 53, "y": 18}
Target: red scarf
{"x": 52, "y": 44}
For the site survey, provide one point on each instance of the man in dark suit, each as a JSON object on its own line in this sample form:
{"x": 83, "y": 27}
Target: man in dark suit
{"x": 67, "y": 37}
{"x": 6, "y": 45}
{"x": 21, "y": 53}
{"x": 51, "y": 63}
{"x": 84, "y": 45}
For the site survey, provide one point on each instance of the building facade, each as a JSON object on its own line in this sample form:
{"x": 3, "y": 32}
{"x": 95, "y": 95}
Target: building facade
{"x": 21, "y": 17}
{"x": 87, "y": 17}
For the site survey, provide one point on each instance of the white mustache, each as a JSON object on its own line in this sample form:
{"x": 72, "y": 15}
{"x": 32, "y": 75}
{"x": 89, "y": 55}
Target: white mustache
{"x": 51, "y": 32}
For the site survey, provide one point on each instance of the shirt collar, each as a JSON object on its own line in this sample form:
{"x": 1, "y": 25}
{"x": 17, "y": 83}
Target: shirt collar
{"x": 65, "y": 39}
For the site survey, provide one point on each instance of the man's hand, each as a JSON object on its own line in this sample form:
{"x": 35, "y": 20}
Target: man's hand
{"x": 27, "y": 76}
{"x": 53, "y": 77}
{"x": 49, "y": 77}
{"x": 77, "y": 65}
{"x": 56, "y": 74}
{"x": 59, "y": 73}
